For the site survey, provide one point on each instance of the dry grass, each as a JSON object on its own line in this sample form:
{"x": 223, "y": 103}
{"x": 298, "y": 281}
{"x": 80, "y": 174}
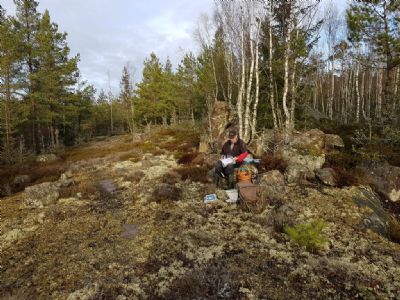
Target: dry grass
{"x": 270, "y": 162}
{"x": 187, "y": 158}
{"x": 194, "y": 173}
{"x": 345, "y": 169}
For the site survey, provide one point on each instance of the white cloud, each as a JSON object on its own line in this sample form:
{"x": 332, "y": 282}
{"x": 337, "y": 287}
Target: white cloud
{"x": 110, "y": 33}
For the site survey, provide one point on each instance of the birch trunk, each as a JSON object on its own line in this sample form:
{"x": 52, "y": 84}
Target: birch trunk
{"x": 288, "y": 125}
{"x": 256, "y": 97}
{"x": 293, "y": 98}
{"x": 239, "y": 104}
{"x": 7, "y": 102}
{"x": 248, "y": 93}
{"x": 271, "y": 87}
{"x": 369, "y": 96}
{"x": 346, "y": 99}
{"x": 362, "y": 95}
{"x": 396, "y": 87}
{"x": 379, "y": 96}
{"x": 357, "y": 92}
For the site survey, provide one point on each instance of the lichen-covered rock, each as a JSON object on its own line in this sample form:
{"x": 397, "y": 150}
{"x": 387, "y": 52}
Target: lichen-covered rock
{"x": 298, "y": 173}
{"x": 273, "y": 178}
{"x": 327, "y": 176}
{"x": 86, "y": 293}
{"x": 375, "y": 218}
{"x": 268, "y": 141}
{"x": 311, "y": 162}
{"x": 333, "y": 140}
{"x": 67, "y": 175}
{"x": 385, "y": 179}
{"x": 312, "y": 141}
{"x": 41, "y": 194}
{"x": 301, "y": 166}
{"x": 66, "y": 179}
{"x": 47, "y": 158}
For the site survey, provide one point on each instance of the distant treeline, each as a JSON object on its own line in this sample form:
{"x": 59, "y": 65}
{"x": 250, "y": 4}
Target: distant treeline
{"x": 281, "y": 64}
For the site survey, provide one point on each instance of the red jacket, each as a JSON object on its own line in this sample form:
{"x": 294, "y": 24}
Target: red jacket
{"x": 238, "y": 150}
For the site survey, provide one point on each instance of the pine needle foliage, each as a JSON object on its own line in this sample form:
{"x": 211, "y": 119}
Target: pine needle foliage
{"x": 308, "y": 235}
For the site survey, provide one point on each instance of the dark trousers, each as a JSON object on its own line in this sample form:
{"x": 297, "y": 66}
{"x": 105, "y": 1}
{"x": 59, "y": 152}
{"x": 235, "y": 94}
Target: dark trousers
{"x": 225, "y": 172}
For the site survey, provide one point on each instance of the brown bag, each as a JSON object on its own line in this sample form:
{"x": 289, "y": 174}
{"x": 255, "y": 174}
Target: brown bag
{"x": 252, "y": 197}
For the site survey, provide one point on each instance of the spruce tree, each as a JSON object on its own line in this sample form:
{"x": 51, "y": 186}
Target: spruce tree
{"x": 152, "y": 106}
{"x": 126, "y": 98}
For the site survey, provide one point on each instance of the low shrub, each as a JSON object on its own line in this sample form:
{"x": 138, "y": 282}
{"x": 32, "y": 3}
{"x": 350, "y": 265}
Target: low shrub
{"x": 308, "y": 235}
{"x": 194, "y": 173}
{"x": 187, "y": 158}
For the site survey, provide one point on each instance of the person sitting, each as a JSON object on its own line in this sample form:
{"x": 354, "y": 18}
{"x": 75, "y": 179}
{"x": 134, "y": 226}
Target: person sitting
{"x": 234, "y": 148}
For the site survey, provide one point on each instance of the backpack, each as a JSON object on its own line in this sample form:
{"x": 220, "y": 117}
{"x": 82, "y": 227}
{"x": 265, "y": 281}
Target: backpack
{"x": 246, "y": 172}
{"x": 243, "y": 174}
{"x": 253, "y": 198}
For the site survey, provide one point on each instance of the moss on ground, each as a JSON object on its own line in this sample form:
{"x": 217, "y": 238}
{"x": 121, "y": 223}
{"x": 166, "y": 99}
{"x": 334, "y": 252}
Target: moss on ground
{"x": 125, "y": 244}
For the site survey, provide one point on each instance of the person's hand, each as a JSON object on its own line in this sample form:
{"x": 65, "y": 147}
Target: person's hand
{"x": 235, "y": 158}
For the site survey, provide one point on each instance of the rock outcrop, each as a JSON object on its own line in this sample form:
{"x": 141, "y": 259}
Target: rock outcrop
{"x": 41, "y": 195}
{"x": 304, "y": 153}
{"x": 274, "y": 183}
{"x": 385, "y": 179}
{"x": 219, "y": 120}
{"x": 327, "y": 176}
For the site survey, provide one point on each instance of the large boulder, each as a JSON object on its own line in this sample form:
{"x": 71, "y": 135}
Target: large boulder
{"x": 296, "y": 157}
{"x": 327, "y": 176}
{"x": 219, "y": 121}
{"x": 41, "y": 195}
{"x": 385, "y": 179}
{"x": 274, "y": 184}
{"x": 312, "y": 141}
{"x": 66, "y": 179}
{"x": 333, "y": 141}
{"x": 298, "y": 173}
{"x": 273, "y": 178}
{"x": 268, "y": 141}
{"x": 376, "y": 217}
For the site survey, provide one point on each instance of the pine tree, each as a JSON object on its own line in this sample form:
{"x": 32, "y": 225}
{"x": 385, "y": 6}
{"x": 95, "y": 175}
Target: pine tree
{"x": 11, "y": 80}
{"x": 54, "y": 77}
{"x": 28, "y": 22}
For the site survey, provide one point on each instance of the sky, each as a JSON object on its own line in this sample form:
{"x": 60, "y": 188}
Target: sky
{"x": 109, "y": 34}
